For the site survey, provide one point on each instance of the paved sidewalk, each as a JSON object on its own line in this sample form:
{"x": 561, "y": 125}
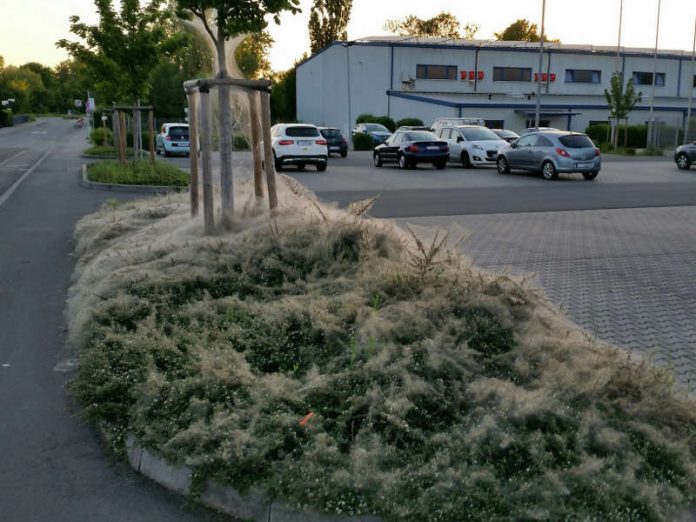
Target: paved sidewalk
{"x": 627, "y": 276}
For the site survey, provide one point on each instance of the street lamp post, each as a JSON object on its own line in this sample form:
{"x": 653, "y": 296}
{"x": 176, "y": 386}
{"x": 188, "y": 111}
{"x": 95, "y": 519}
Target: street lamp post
{"x": 651, "y": 123}
{"x": 541, "y": 65}
{"x": 691, "y": 87}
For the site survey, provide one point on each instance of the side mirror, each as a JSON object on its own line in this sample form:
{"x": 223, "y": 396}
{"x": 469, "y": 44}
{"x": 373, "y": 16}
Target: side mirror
{"x": 460, "y": 139}
{"x": 513, "y": 144}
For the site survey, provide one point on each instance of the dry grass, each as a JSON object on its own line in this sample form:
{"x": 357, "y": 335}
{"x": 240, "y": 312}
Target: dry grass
{"x": 437, "y": 392}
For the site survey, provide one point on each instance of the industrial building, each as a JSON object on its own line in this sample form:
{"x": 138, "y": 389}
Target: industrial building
{"x": 428, "y": 78}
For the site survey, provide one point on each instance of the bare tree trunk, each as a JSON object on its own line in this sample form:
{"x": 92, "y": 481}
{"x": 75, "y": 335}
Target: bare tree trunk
{"x": 226, "y": 178}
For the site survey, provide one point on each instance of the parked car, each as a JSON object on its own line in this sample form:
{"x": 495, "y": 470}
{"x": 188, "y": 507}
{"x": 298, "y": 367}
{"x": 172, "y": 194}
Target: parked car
{"x": 473, "y": 145}
{"x": 438, "y": 123}
{"x": 551, "y": 152}
{"x": 173, "y": 138}
{"x": 685, "y": 155}
{"x": 506, "y": 135}
{"x": 299, "y": 144}
{"x": 377, "y": 131}
{"x": 537, "y": 129}
{"x": 335, "y": 140}
{"x": 413, "y": 128}
{"x": 408, "y": 148}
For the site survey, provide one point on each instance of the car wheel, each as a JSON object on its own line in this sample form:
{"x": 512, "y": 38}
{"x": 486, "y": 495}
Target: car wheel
{"x": 344, "y": 153}
{"x": 278, "y": 164}
{"x": 548, "y": 171}
{"x": 439, "y": 165}
{"x": 377, "y": 159}
{"x": 683, "y": 162}
{"x": 502, "y": 164}
{"x": 590, "y": 175}
{"x": 403, "y": 162}
{"x": 164, "y": 151}
{"x": 321, "y": 167}
{"x": 466, "y": 162}
{"x": 300, "y": 166}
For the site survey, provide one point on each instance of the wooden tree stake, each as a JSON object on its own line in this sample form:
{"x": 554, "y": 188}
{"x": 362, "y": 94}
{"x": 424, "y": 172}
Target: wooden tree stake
{"x": 151, "y": 135}
{"x": 193, "y": 155}
{"x": 254, "y": 102}
{"x": 208, "y": 210}
{"x": 268, "y": 150}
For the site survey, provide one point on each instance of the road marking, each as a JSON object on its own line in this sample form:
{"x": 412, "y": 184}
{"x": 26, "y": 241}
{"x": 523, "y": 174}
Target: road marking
{"x": 40, "y": 132}
{"x": 66, "y": 366}
{"x": 4, "y": 197}
{"x": 13, "y": 157}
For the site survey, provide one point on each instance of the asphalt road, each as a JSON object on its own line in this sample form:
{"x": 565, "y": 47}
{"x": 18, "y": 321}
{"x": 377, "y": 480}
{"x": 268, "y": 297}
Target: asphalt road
{"x": 52, "y": 467}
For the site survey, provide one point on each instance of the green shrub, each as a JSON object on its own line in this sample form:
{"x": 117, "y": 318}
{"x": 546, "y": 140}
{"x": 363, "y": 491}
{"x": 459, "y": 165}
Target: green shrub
{"x": 637, "y": 134}
{"x": 240, "y": 142}
{"x": 383, "y": 120}
{"x": 140, "y": 172}
{"x": 365, "y": 118}
{"x": 100, "y": 136}
{"x": 363, "y": 142}
{"x": 6, "y": 118}
{"x": 599, "y": 133}
{"x": 409, "y": 122}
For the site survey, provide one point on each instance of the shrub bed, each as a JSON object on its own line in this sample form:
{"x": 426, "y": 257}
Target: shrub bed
{"x": 363, "y": 142}
{"x": 140, "y": 172}
{"x": 342, "y": 366}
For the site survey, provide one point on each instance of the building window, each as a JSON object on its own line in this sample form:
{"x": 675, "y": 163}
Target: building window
{"x": 583, "y": 76}
{"x": 512, "y": 74}
{"x": 694, "y": 80}
{"x": 436, "y": 72}
{"x": 646, "y": 78}
{"x": 530, "y": 124}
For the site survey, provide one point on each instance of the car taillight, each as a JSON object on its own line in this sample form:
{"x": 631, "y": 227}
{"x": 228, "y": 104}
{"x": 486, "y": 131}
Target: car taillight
{"x": 321, "y": 142}
{"x": 597, "y": 152}
{"x": 285, "y": 142}
{"x": 562, "y": 152}
{"x": 412, "y": 148}
{"x": 445, "y": 148}
{"x": 344, "y": 141}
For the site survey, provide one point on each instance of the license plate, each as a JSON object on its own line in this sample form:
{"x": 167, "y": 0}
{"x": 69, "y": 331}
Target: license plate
{"x": 585, "y": 165}
{"x": 304, "y": 143}
{"x": 335, "y": 148}
{"x": 433, "y": 147}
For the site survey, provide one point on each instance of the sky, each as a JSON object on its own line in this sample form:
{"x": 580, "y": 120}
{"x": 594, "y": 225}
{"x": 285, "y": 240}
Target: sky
{"x": 30, "y": 28}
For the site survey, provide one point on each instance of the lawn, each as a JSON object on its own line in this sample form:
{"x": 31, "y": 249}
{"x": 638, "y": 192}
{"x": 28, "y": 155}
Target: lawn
{"x": 137, "y": 173}
{"x": 343, "y": 365}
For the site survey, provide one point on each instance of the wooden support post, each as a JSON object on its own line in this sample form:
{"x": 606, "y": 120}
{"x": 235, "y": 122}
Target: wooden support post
{"x": 193, "y": 147}
{"x": 122, "y": 138}
{"x": 206, "y": 153}
{"x": 151, "y": 135}
{"x": 116, "y": 134}
{"x": 226, "y": 137}
{"x": 136, "y": 134}
{"x": 256, "y": 143}
{"x": 268, "y": 150}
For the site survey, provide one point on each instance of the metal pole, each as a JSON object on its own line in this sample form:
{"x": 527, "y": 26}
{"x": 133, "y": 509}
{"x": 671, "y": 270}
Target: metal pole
{"x": 193, "y": 154}
{"x": 691, "y": 87}
{"x": 541, "y": 64}
{"x": 268, "y": 150}
{"x": 651, "y": 130}
{"x": 615, "y": 126}
{"x": 206, "y": 153}
{"x": 151, "y": 135}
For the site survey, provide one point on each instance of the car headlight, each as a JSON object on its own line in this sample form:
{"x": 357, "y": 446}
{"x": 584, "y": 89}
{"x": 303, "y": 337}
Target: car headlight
{"x": 478, "y": 147}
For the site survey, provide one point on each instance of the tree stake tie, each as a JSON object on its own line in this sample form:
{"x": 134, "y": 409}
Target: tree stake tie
{"x": 304, "y": 420}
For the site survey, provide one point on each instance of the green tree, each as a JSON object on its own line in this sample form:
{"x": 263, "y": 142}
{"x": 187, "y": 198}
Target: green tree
{"x": 621, "y": 102}
{"x": 522, "y": 31}
{"x": 443, "y": 25}
{"x": 20, "y": 83}
{"x": 222, "y": 20}
{"x": 251, "y": 55}
{"x": 124, "y": 48}
{"x": 328, "y": 20}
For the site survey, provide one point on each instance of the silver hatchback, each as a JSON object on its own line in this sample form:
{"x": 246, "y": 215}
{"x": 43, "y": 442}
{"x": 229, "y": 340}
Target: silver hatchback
{"x": 551, "y": 152}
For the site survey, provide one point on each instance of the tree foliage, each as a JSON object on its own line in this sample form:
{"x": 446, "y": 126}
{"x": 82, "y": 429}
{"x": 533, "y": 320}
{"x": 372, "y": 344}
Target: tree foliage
{"x": 443, "y": 25}
{"x": 328, "y": 21}
{"x": 621, "y": 102}
{"x": 251, "y": 55}
{"x": 123, "y": 49}
{"x": 522, "y": 30}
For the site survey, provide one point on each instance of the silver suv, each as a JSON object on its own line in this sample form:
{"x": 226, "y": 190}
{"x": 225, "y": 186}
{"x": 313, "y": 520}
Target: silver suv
{"x": 551, "y": 152}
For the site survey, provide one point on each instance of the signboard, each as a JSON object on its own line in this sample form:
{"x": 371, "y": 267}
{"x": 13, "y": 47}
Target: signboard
{"x": 78, "y": 103}
{"x": 90, "y": 105}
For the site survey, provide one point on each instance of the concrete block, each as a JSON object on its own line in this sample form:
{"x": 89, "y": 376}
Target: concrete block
{"x": 176, "y": 478}
{"x": 252, "y": 506}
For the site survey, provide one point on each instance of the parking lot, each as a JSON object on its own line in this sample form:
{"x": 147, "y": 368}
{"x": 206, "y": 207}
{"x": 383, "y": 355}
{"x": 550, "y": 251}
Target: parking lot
{"x": 617, "y": 254}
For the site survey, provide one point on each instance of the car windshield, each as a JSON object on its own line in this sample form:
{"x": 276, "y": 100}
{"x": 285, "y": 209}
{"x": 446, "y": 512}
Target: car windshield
{"x": 331, "y": 133}
{"x": 505, "y": 133}
{"x": 576, "y": 141}
{"x": 420, "y": 136}
{"x": 479, "y": 134}
{"x": 375, "y": 127}
{"x": 302, "y": 132}
{"x": 179, "y": 133}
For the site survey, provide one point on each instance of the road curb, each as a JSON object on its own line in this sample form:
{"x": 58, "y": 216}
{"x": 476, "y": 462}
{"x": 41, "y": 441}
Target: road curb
{"x": 253, "y": 505}
{"x": 114, "y": 187}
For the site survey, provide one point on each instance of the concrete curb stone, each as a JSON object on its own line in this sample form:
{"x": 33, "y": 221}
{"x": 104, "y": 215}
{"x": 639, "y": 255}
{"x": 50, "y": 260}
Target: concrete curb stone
{"x": 251, "y": 506}
{"x": 142, "y": 189}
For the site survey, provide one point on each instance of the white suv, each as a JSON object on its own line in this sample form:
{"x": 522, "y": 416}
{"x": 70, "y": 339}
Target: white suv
{"x": 473, "y": 145}
{"x": 298, "y": 144}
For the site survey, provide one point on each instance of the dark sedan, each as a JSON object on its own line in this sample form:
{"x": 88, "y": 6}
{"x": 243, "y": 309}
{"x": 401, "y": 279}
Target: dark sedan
{"x": 408, "y": 148}
{"x": 685, "y": 155}
{"x": 335, "y": 141}
{"x": 506, "y": 135}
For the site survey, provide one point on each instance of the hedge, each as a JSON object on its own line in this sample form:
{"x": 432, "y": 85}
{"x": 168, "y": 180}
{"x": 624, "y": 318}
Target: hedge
{"x": 100, "y": 136}
{"x": 637, "y": 135}
{"x": 363, "y": 142}
{"x": 409, "y": 122}
{"x": 383, "y": 120}
{"x": 6, "y": 118}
